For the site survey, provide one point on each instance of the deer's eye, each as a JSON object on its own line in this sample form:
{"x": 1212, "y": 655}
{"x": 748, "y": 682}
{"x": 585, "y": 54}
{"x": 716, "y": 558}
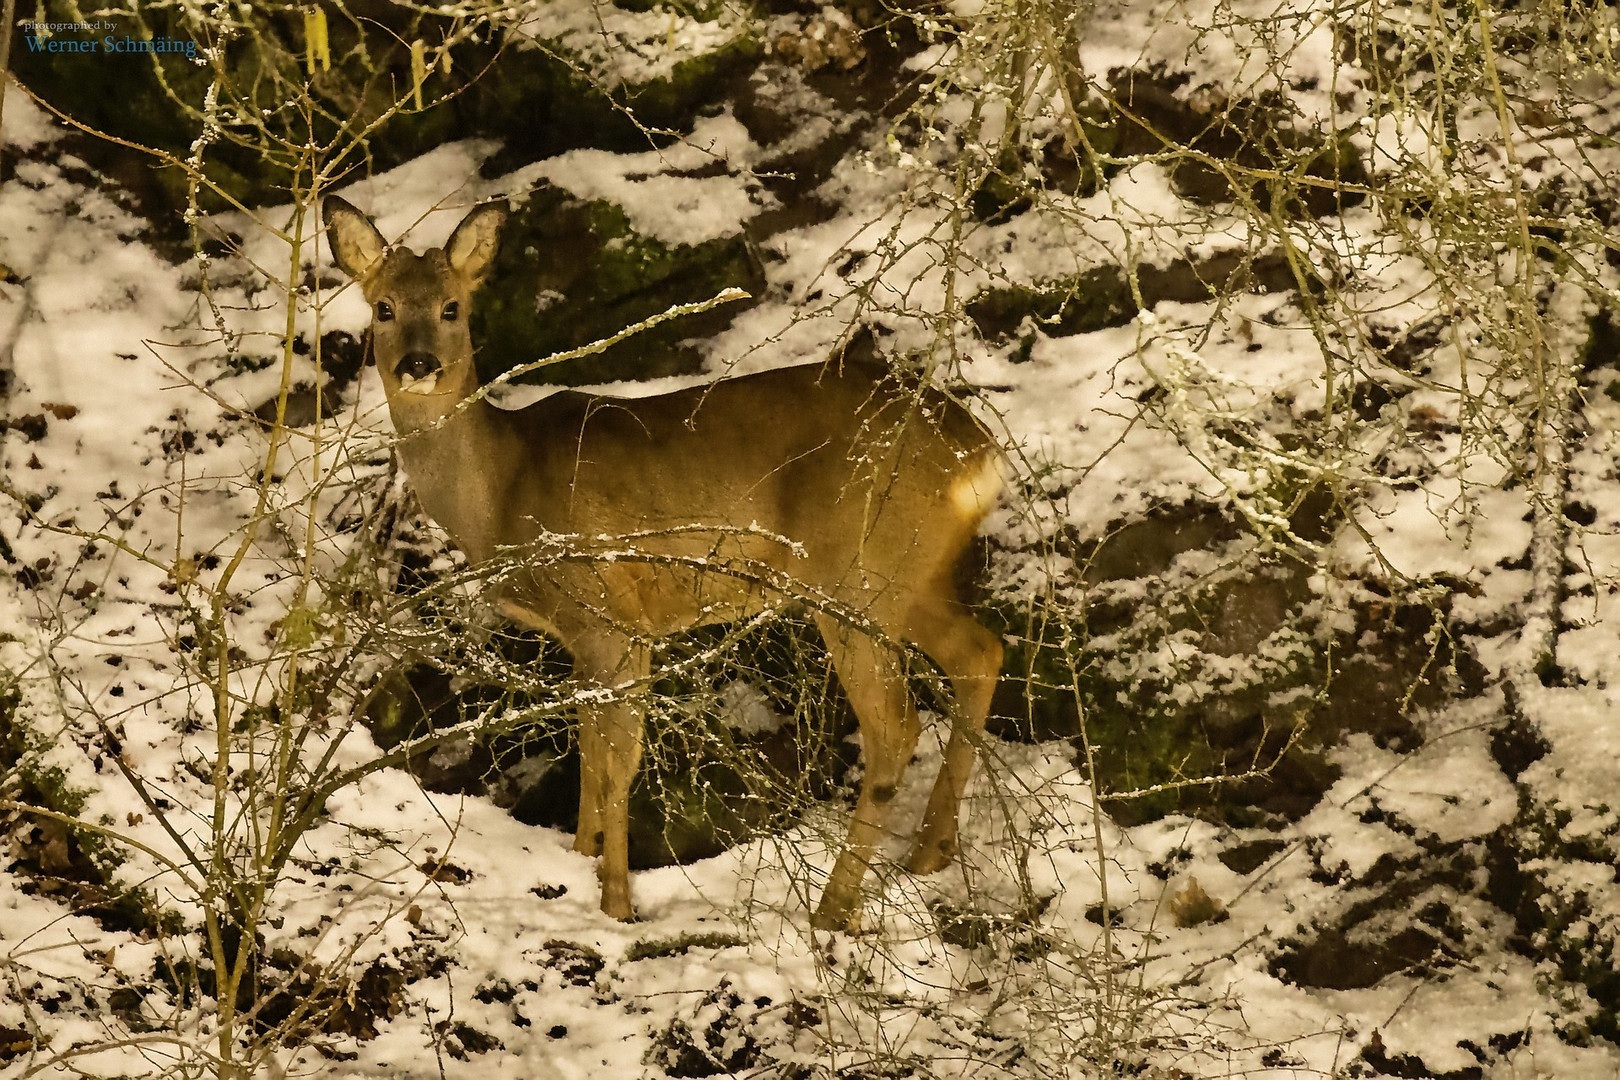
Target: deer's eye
{"x": 451, "y": 312}
{"x": 385, "y": 311}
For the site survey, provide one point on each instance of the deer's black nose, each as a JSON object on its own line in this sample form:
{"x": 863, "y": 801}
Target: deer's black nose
{"x": 417, "y": 365}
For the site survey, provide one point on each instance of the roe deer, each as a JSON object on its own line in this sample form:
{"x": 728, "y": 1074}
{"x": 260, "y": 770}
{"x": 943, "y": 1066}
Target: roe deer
{"x": 864, "y": 491}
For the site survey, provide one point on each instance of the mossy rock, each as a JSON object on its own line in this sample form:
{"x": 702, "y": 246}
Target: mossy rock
{"x": 128, "y": 96}
{"x": 1020, "y": 172}
{"x": 702, "y": 786}
{"x": 1155, "y": 730}
{"x": 540, "y": 102}
{"x": 1103, "y": 297}
{"x": 1554, "y": 872}
{"x": 69, "y": 861}
{"x": 20, "y": 748}
{"x": 1093, "y": 300}
{"x": 1150, "y": 735}
{"x": 1216, "y": 149}
{"x": 537, "y": 100}
{"x": 1277, "y": 158}
{"x": 571, "y": 272}
{"x": 1151, "y": 745}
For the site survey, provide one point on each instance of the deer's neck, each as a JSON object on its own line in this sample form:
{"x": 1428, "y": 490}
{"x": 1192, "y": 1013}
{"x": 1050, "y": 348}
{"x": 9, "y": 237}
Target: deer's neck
{"x": 459, "y": 463}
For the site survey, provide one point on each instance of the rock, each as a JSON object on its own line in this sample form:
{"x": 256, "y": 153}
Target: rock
{"x": 1251, "y": 855}
{"x": 1303, "y": 166}
{"x": 540, "y": 101}
{"x": 1094, "y": 300}
{"x": 1101, "y": 297}
{"x": 1256, "y": 680}
{"x": 704, "y": 784}
{"x": 537, "y": 98}
{"x": 1065, "y": 163}
{"x": 715, "y": 1039}
{"x": 1290, "y": 163}
{"x": 571, "y": 272}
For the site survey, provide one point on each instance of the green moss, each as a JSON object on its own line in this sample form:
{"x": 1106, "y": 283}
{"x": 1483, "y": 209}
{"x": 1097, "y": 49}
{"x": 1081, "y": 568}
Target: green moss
{"x": 684, "y": 808}
{"x": 592, "y": 276}
{"x": 92, "y": 855}
{"x": 23, "y": 747}
{"x": 1181, "y": 733}
{"x": 144, "y": 99}
{"x": 1142, "y": 734}
{"x": 671, "y": 101}
{"x": 1021, "y": 172}
{"x": 1094, "y": 300}
{"x": 653, "y": 948}
{"x": 536, "y": 101}
{"x": 1003, "y": 193}
{"x": 1100, "y": 127}
{"x": 702, "y": 786}
{"x": 540, "y": 101}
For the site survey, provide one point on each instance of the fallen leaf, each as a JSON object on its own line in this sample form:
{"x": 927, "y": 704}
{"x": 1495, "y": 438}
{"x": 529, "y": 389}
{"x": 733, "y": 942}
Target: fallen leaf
{"x": 1190, "y": 905}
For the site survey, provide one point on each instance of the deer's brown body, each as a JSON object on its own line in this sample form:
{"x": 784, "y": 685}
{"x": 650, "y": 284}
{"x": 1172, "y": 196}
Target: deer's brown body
{"x": 701, "y": 506}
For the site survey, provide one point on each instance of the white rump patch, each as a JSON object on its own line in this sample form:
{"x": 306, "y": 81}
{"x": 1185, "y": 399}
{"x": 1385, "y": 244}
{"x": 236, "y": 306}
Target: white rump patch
{"x": 973, "y": 493}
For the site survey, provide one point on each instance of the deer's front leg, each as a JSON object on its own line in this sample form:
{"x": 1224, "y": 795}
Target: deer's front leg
{"x": 609, "y": 753}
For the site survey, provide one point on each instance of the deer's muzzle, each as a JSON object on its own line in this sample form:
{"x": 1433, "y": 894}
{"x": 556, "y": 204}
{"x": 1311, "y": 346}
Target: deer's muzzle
{"x": 418, "y": 372}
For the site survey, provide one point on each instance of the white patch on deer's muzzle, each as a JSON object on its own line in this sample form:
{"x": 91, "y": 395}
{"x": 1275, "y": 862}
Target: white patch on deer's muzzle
{"x": 424, "y": 385}
{"x": 973, "y": 493}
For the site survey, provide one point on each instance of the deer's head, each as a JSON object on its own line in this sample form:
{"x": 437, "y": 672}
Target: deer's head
{"x": 419, "y": 303}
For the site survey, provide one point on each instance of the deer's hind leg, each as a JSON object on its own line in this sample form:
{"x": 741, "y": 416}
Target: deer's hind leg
{"x": 874, "y": 678}
{"x": 970, "y": 656}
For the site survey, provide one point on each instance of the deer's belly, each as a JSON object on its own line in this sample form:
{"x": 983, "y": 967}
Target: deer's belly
{"x": 653, "y": 595}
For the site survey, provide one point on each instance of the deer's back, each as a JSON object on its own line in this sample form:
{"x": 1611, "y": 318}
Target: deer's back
{"x": 846, "y": 482}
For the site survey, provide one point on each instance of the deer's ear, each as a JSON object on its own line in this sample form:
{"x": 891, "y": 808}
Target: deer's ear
{"x": 357, "y": 246}
{"x": 472, "y": 247}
